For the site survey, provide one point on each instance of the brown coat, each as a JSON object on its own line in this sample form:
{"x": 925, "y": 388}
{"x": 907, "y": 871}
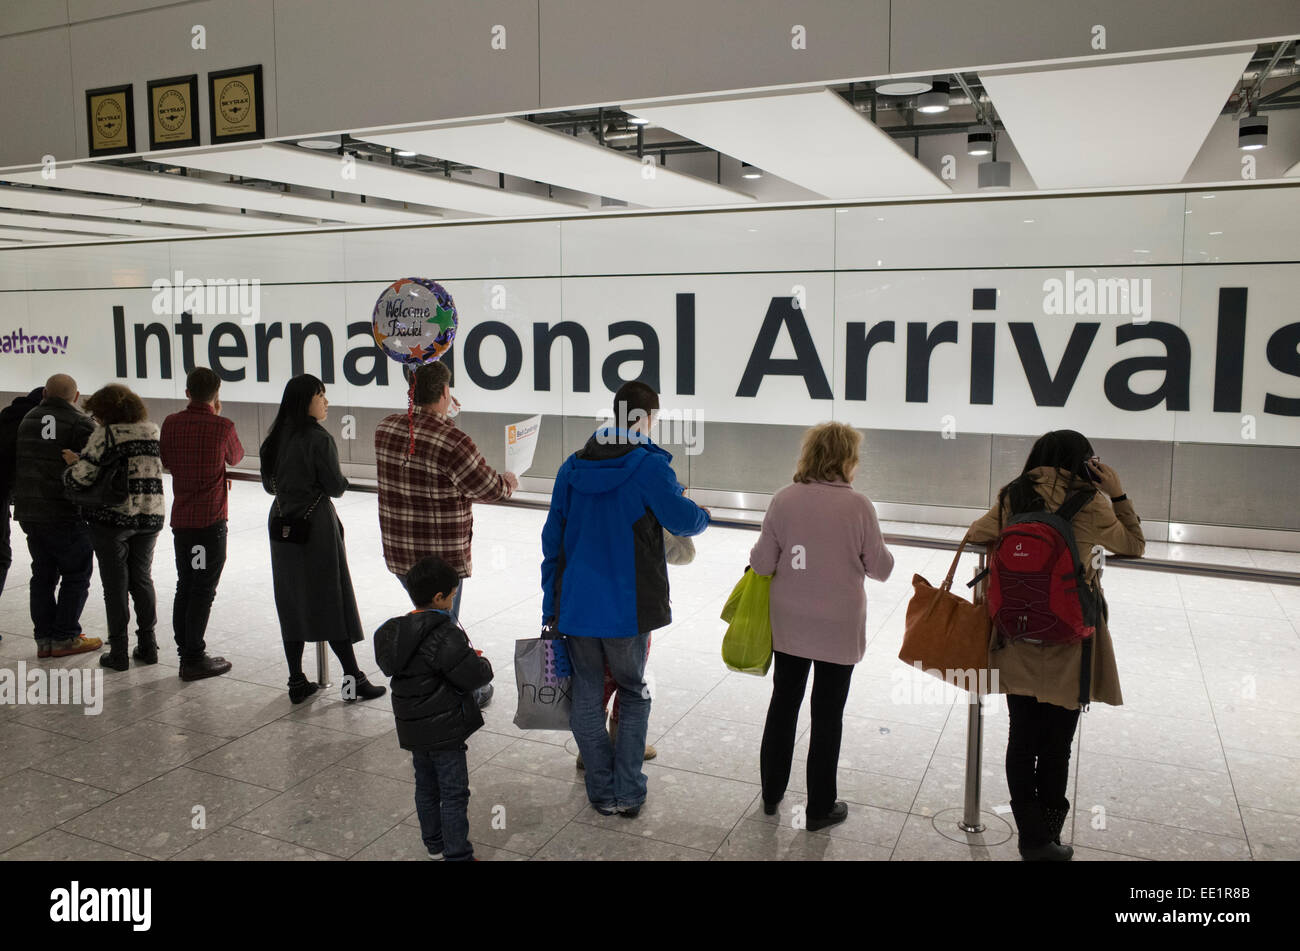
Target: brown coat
{"x": 1051, "y": 672}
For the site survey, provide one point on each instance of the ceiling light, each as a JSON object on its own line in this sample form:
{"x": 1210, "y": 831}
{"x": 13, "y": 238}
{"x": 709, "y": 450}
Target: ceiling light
{"x": 903, "y": 87}
{"x": 979, "y": 142}
{"x": 322, "y": 144}
{"x": 995, "y": 175}
{"x": 749, "y": 171}
{"x": 934, "y": 101}
{"x": 1252, "y": 132}
{"x": 404, "y": 153}
{"x": 637, "y": 120}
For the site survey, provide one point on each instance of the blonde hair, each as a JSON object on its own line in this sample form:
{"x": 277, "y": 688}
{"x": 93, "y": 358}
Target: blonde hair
{"x": 829, "y": 452}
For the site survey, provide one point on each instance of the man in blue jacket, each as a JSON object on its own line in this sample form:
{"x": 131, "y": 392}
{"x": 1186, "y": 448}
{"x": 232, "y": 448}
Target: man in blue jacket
{"x": 605, "y": 585}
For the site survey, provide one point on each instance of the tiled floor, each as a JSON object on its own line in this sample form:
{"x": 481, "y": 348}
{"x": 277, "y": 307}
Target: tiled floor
{"x": 1202, "y": 761}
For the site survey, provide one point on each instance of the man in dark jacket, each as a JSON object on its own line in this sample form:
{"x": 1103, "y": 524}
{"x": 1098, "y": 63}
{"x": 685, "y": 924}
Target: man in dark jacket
{"x": 435, "y": 671}
{"x": 605, "y": 585}
{"x": 10, "y": 417}
{"x": 57, "y": 535}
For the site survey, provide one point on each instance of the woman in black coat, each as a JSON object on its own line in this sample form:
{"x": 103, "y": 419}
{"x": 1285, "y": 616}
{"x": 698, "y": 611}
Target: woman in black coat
{"x": 313, "y": 589}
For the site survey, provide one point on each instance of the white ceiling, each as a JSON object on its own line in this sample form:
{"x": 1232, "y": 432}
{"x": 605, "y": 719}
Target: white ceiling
{"x": 91, "y": 177}
{"x": 527, "y": 150}
{"x": 812, "y": 138}
{"x": 97, "y": 226}
{"x": 1117, "y": 124}
{"x": 295, "y": 166}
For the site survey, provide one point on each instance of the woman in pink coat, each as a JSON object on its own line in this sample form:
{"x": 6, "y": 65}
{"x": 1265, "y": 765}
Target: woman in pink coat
{"x": 820, "y": 540}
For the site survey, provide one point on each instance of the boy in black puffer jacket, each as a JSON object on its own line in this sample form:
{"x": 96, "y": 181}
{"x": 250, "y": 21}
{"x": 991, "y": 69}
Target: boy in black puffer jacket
{"x": 434, "y": 672}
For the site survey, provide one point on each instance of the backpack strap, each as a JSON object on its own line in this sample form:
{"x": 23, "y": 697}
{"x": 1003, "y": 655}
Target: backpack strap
{"x": 1075, "y": 503}
{"x": 1085, "y": 673}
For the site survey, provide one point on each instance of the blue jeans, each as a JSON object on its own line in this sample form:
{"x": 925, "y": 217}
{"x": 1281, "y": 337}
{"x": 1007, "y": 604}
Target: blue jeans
{"x": 62, "y": 558}
{"x": 613, "y": 773}
{"x": 442, "y": 802}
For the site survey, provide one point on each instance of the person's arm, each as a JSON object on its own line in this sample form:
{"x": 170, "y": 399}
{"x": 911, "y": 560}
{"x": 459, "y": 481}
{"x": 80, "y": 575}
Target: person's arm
{"x": 234, "y": 448}
{"x": 877, "y": 559}
{"x": 1119, "y": 528}
{"x": 85, "y": 470}
{"x": 766, "y": 553}
{"x": 328, "y": 473}
{"x": 473, "y": 478}
{"x": 164, "y": 445}
{"x": 678, "y": 514}
{"x": 553, "y": 540}
{"x": 987, "y": 527}
{"x": 464, "y": 668}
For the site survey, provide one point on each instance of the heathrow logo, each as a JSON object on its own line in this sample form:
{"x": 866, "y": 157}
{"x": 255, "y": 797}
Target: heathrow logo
{"x": 17, "y": 341}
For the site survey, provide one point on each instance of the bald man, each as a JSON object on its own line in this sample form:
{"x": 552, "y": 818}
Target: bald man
{"x": 57, "y": 536}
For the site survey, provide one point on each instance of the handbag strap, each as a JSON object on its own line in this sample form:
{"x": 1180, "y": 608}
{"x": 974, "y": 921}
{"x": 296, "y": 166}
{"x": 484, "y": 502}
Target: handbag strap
{"x": 275, "y": 492}
{"x": 952, "y": 569}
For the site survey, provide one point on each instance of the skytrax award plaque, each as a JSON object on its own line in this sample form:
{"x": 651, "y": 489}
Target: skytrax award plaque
{"x": 173, "y": 116}
{"x": 235, "y": 105}
{"x": 110, "y": 120}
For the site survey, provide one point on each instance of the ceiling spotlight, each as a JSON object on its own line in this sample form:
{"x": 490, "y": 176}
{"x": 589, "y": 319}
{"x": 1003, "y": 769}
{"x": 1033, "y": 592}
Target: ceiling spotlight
{"x": 995, "y": 174}
{"x": 405, "y": 153}
{"x": 322, "y": 143}
{"x": 1252, "y": 132}
{"x": 749, "y": 171}
{"x": 979, "y": 142}
{"x": 903, "y": 87}
{"x": 637, "y": 120}
{"x": 934, "y": 101}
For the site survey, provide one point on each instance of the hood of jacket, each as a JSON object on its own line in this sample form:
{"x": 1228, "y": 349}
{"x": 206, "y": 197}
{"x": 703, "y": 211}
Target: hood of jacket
{"x": 610, "y": 457}
{"x": 399, "y": 638}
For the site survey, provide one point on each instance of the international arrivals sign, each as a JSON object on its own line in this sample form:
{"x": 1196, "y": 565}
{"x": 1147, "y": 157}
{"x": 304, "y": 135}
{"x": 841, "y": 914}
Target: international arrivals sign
{"x": 1172, "y": 352}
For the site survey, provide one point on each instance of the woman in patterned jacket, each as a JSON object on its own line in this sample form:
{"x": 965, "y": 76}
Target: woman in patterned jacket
{"x": 124, "y": 535}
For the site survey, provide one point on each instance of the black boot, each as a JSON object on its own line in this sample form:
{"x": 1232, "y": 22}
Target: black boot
{"x": 362, "y": 689}
{"x": 203, "y": 667}
{"x": 300, "y": 688}
{"x": 1054, "y": 816}
{"x": 146, "y": 648}
{"x": 116, "y": 658}
{"x": 1036, "y": 843}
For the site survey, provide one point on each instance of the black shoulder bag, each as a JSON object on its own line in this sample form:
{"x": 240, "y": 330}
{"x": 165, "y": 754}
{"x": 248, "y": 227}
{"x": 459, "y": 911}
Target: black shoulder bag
{"x": 291, "y": 531}
{"x": 111, "y": 486}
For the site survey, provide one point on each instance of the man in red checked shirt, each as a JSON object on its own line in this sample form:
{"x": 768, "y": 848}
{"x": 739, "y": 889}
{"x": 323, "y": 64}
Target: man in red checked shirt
{"x": 196, "y": 446}
{"x": 426, "y": 497}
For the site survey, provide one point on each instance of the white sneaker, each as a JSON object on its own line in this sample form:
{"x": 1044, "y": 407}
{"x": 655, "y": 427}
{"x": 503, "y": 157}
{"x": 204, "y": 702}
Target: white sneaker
{"x": 436, "y": 857}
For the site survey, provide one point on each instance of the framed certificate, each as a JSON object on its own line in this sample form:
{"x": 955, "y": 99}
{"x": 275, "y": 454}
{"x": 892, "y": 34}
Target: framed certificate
{"x": 110, "y": 120}
{"x": 235, "y": 105}
{"x": 173, "y": 112}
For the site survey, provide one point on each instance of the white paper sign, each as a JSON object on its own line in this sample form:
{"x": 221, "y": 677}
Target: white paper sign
{"x": 521, "y": 443}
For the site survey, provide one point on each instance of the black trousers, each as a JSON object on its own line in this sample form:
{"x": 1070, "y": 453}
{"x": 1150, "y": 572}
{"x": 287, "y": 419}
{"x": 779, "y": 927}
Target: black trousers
{"x": 829, "y": 694}
{"x": 200, "y": 558}
{"x": 1038, "y": 750}
{"x": 125, "y": 558}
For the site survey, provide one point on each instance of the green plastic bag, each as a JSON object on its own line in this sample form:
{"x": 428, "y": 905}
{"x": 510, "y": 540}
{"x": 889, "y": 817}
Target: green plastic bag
{"x": 747, "y": 645}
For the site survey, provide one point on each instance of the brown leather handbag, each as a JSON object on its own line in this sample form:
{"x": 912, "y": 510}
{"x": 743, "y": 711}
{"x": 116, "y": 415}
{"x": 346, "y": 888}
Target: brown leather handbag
{"x": 946, "y": 633}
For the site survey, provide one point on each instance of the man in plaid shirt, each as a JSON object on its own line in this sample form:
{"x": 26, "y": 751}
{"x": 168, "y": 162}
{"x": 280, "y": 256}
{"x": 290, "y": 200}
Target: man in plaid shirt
{"x": 196, "y": 445}
{"x": 425, "y": 497}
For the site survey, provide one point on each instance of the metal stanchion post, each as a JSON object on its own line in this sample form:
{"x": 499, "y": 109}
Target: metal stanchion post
{"x": 322, "y": 664}
{"x": 970, "y": 821}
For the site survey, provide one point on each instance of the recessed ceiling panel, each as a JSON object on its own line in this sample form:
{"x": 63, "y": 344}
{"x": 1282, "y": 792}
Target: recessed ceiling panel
{"x": 90, "y": 177}
{"x": 281, "y": 163}
{"x": 528, "y": 150}
{"x": 1114, "y": 124}
{"x": 18, "y": 234}
{"x": 99, "y": 226}
{"x": 814, "y": 139}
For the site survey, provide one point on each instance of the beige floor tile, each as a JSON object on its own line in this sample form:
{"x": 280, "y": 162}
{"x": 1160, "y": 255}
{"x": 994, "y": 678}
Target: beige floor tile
{"x": 231, "y": 844}
{"x": 577, "y": 842}
{"x": 132, "y": 756}
{"x": 280, "y": 754}
{"x": 59, "y": 846}
{"x": 34, "y": 802}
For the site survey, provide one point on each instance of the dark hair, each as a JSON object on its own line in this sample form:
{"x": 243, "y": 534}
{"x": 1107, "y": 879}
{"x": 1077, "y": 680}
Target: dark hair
{"x": 292, "y": 415}
{"x": 430, "y": 378}
{"x": 202, "y": 384}
{"x": 430, "y": 577}
{"x": 1059, "y": 449}
{"x": 115, "y": 403}
{"x": 633, "y": 401}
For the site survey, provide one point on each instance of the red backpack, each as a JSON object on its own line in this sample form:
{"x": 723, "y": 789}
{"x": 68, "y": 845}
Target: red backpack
{"x": 1037, "y": 589}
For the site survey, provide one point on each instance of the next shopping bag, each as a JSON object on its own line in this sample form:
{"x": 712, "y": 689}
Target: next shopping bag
{"x": 545, "y": 684}
{"x": 747, "y": 645}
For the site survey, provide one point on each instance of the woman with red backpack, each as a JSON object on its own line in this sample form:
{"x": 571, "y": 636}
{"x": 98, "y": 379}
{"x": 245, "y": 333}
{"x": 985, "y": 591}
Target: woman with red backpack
{"x": 1050, "y": 646}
